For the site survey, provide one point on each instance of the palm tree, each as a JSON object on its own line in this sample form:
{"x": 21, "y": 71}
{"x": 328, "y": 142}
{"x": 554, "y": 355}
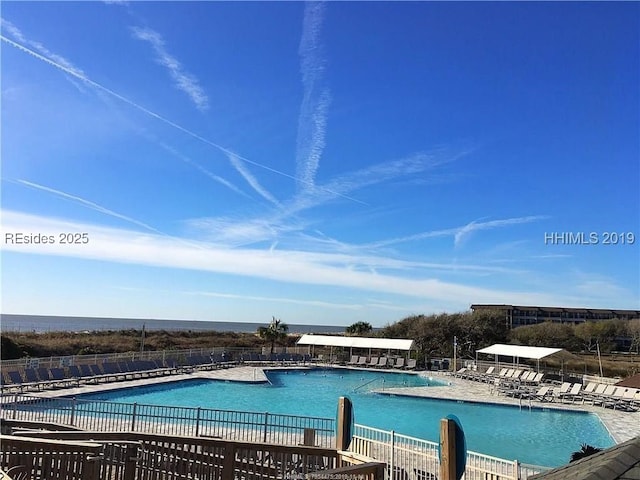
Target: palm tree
{"x": 359, "y": 328}
{"x": 276, "y": 331}
{"x": 585, "y": 451}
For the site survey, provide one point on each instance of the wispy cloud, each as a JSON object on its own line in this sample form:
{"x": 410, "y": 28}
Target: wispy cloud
{"x": 239, "y": 165}
{"x": 297, "y": 267}
{"x": 285, "y": 219}
{"x": 183, "y": 80}
{"x": 200, "y": 138}
{"x": 88, "y": 204}
{"x": 460, "y": 233}
{"x": 350, "y": 182}
{"x": 201, "y": 169}
{"x": 464, "y": 232}
{"x": 15, "y": 33}
{"x": 312, "y": 121}
{"x": 277, "y": 300}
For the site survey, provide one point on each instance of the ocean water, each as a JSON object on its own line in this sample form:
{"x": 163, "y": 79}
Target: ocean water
{"x": 41, "y": 324}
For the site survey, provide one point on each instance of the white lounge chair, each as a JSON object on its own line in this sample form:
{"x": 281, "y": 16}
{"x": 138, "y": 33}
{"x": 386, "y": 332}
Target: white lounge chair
{"x": 411, "y": 364}
{"x": 563, "y": 390}
{"x": 544, "y": 393}
{"x": 399, "y": 363}
{"x": 573, "y": 393}
{"x": 373, "y": 362}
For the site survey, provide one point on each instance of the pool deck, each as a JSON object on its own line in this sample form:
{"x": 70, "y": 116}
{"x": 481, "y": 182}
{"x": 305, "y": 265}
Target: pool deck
{"x": 621, "y": 425}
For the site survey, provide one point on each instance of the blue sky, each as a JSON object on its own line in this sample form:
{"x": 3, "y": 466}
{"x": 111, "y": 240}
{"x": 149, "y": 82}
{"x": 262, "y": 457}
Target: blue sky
{"x": 324, "y": 163}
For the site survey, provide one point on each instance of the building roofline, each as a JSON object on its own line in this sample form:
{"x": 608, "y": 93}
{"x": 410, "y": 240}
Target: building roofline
{"x": 555, "y": 309}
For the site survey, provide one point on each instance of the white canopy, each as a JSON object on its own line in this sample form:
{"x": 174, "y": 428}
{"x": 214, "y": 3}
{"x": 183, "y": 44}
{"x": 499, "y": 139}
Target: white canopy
{"x": 519, "y": 351}
{"x": 357, "y": 342}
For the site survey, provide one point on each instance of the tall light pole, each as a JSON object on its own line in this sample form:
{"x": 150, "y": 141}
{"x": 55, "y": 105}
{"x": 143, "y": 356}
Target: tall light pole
{"x": 142, "y": 340}
{"x": 455, "y": 348}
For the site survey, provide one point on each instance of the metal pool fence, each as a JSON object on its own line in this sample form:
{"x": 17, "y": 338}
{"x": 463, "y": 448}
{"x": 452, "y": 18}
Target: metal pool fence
{"x": 203, "y": 422}
{"x": 416, "y": 459}
{"x": 407, "y": 458}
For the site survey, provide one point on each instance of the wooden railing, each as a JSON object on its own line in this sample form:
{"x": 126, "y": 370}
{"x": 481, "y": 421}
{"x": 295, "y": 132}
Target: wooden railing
{"x": 49, "y": 458}
{"x": 141, "y": 456}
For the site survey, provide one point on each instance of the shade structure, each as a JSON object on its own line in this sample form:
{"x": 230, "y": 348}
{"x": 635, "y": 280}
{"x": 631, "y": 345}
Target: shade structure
{"x": 519, "y": 351}
{"x": 357, "y": 342}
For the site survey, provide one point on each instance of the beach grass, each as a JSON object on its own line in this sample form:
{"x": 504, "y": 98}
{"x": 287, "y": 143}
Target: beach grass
{"x": 61, "y": 343}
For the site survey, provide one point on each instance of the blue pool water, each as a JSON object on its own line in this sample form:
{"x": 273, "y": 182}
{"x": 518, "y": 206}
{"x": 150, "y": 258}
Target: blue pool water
{"x": 541, "y": 437}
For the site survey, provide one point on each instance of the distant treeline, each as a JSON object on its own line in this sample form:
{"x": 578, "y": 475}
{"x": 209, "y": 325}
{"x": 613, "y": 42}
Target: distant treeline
{"x": 434, "y": 334}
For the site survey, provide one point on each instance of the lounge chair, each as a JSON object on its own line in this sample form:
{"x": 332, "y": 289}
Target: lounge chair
{"x": 606, "y": 397}
{"x": 595, "y": 393}
{"x": 32, "y": 377}
{"x": 19, "y": 382}
{"x": 383, "y": 362}
{"x": 527, "y": 377}
{"x": 399, "y": 363}
{"x": 461, "y": 373}
{"x": 563, "y": 390}
{"x": 362, "y": 361}
{"x": 112, "y": 371}
{"x": 573, "y": 393}
{"x": 411, "y": 364}
{"x": 354, "y": 360}
{"x": 373, "y": 362}
{"x": 621, "y": 401}
{"x": 543, "y": 394}
{"x": 588, "y": 390}
{"x": 489, "y": 372}
{"x": 488, "y": 376}
{"x": 537, "y": 378}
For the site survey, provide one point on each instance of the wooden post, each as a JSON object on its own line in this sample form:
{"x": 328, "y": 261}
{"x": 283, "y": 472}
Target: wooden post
{"x": 447, "y": 449}
{"x": 198, "y": 422}
{"x": 309, "y": 437}
{"x": 343, "y": 424}
{"x": 229, "y": 462}
{"x": 266, "y": 424}
{"x": 133, "y": 417}
{"x": 130, "y": 461}
{"x": 72, "y": 421}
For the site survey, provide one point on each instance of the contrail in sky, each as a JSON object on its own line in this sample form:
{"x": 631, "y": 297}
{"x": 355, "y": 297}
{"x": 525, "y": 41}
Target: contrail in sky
{"x": 183, "y": 80}
{"x": 236, "y": 161}
{"x": 91, "y": 205}
{"x": 155, "y": 115}
{"x": 312, "y": 121}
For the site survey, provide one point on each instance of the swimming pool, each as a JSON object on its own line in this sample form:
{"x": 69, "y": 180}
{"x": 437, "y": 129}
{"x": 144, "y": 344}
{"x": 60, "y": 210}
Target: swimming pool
{"x": 542, "y": 437}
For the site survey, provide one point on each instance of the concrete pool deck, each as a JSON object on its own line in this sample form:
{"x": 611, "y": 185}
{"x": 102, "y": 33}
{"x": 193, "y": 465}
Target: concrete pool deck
{"x": 621, "y": 425}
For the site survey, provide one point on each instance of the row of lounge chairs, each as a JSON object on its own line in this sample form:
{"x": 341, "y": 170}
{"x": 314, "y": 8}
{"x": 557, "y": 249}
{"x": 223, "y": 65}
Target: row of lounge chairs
{"x": 610, "y": 396}
{"x": 382, "y": 362}
{"x": 527, "y": 385}
{"x": 275, "y": 358}
{"x": 58, "y": 377}
{"x": 506, "y": 378}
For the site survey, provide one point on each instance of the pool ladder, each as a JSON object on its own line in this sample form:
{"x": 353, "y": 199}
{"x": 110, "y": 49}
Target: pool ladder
{"x": 369, "y": 382}
{"x": 520, "y": 402}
